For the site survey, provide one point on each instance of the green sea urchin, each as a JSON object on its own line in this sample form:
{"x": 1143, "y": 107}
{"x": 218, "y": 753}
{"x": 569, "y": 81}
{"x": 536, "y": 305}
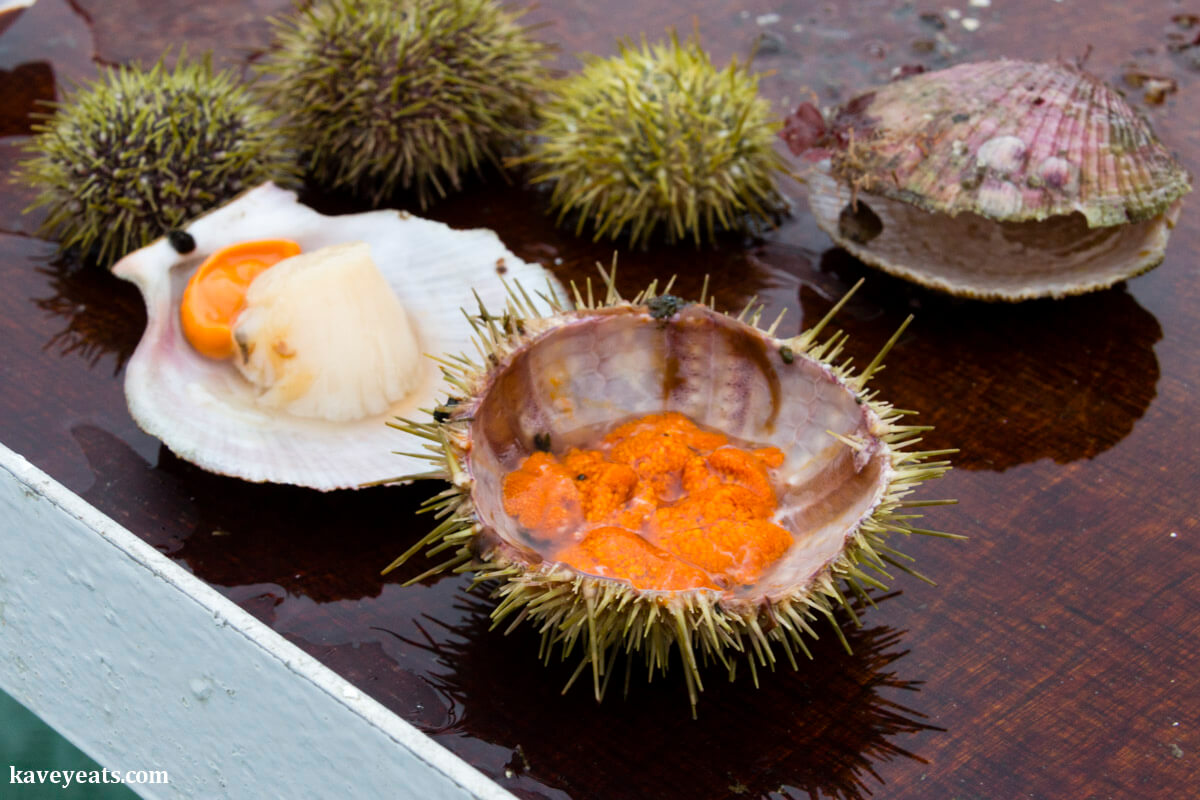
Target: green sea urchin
{"x": 137, "y": 152}
{"x": 656, "y": 138}
{"x": 411, "y": 94}
{"x": 550, "y": 384}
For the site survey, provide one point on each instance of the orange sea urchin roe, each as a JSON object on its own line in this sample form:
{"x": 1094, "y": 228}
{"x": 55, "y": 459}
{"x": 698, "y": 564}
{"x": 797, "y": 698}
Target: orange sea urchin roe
{"x": 542, "y": 497}
{"x": 657, "y": 447}
{"x": 660, "y": 503}
{"x": 613, "y": 552}
{"x": 603, "y": 486}
{"x": 216, "y": 293}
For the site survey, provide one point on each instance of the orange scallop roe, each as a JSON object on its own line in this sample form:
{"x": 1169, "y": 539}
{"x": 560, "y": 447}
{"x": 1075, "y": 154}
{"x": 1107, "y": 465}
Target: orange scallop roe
{"x": 216, "y": 292}
{"x": 613, "y": 552}
{"x": 658, "y": 500}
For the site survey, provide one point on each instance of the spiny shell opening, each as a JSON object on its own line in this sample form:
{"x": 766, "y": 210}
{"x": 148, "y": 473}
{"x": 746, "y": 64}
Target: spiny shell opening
{"x": 546, "y": 381}
{"x": 607, "y": 366}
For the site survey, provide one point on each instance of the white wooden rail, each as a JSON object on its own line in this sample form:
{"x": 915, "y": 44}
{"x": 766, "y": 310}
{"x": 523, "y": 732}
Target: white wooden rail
{"x": 145, "y": 667}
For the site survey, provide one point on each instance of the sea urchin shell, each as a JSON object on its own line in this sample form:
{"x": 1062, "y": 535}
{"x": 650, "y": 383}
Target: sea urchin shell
{"x": 1003, "y": 180}
{"x": 549, "y": 382}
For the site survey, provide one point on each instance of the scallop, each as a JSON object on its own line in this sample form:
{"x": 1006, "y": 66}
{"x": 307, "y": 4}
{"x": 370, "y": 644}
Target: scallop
{"x": 1001, "y": 180}
{"x": 209, "y": 412}
{"x": 843, "y": 468}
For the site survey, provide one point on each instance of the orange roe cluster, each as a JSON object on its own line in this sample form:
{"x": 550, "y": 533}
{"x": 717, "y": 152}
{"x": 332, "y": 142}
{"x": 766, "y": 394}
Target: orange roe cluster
{"x": 541, "y": 495}
{"x": 659, "y": 503}
{"x": 613, "y": 552}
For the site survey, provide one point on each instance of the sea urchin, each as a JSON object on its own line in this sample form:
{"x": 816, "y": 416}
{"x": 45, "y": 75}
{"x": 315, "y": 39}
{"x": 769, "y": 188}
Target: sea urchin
{"x": 413, "y": 94}
{"x": 136, "y": 153}
{"x": 656, "y": 139}
{"x": 649, "y": 475}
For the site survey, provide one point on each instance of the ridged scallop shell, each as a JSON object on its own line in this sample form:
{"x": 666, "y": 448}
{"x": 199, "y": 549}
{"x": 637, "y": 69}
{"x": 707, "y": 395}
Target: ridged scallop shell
{"x": 1003, "y": 180}
{"x": 205, "y": 411}
{"x": 557, "y": 380}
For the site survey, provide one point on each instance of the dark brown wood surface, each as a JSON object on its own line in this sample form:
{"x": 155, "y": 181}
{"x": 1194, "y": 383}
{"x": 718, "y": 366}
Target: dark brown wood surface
{"x": 1057, "y": 658}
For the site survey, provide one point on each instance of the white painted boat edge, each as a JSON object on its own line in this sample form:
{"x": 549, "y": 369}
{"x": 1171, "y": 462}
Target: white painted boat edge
{"x": 145, "y": 667}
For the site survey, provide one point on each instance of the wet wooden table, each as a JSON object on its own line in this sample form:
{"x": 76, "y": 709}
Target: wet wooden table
{"x": 1058, "y": 656}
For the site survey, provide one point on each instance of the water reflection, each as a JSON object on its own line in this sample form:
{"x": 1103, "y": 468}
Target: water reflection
{"x": 1006, "y": 383}
{"x": 28, "y": 88}
{"x": 41, "y": 47}
{"x": 520, "y": 216}
{"x": 48, "y": 29}
{"x": 8, "y": 17}
{"x": 824, "y": 729}
{"x": 831, "y": 51}
{"x": 102, "y": 315}
{"x": 323, "y": 546}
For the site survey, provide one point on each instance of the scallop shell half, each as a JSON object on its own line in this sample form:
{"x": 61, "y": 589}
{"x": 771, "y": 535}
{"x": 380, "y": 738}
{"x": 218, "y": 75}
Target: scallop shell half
{"x": 550, "y": 379}
{"x": 1003, "y": 180}
{"x": 205, "y": 411}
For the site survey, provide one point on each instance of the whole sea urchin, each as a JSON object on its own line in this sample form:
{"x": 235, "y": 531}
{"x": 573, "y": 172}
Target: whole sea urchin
{"x": 136, "y": 153}
{"x": 383, "y": 94}
{"x": 656, "y": 138}
{"x": 640, "y": 476}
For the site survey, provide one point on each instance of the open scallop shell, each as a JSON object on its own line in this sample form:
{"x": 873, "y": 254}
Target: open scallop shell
{"x": 205, "y": 411}
{"x": 1001, "y": 180}
{"x": 547, "y": 380}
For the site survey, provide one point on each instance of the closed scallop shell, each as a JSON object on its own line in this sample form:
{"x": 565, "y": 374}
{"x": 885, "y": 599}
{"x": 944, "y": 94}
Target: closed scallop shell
{"x": 1002, "y": 179}
{"x": 205, "y": 411}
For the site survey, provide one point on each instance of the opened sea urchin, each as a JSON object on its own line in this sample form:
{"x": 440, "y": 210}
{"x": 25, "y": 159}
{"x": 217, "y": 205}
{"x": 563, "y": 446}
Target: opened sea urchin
{"x": 656, "y": 140}
{"x": 136, "y": 153}
{"x": 412, "y": 94}
{"x": 640, "y": 477}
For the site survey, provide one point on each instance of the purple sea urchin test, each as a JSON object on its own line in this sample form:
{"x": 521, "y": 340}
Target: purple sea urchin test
{"x": 1003, "y": 180}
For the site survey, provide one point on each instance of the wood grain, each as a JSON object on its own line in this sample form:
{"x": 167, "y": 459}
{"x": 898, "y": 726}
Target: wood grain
{"x": 1057, "y": 657}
